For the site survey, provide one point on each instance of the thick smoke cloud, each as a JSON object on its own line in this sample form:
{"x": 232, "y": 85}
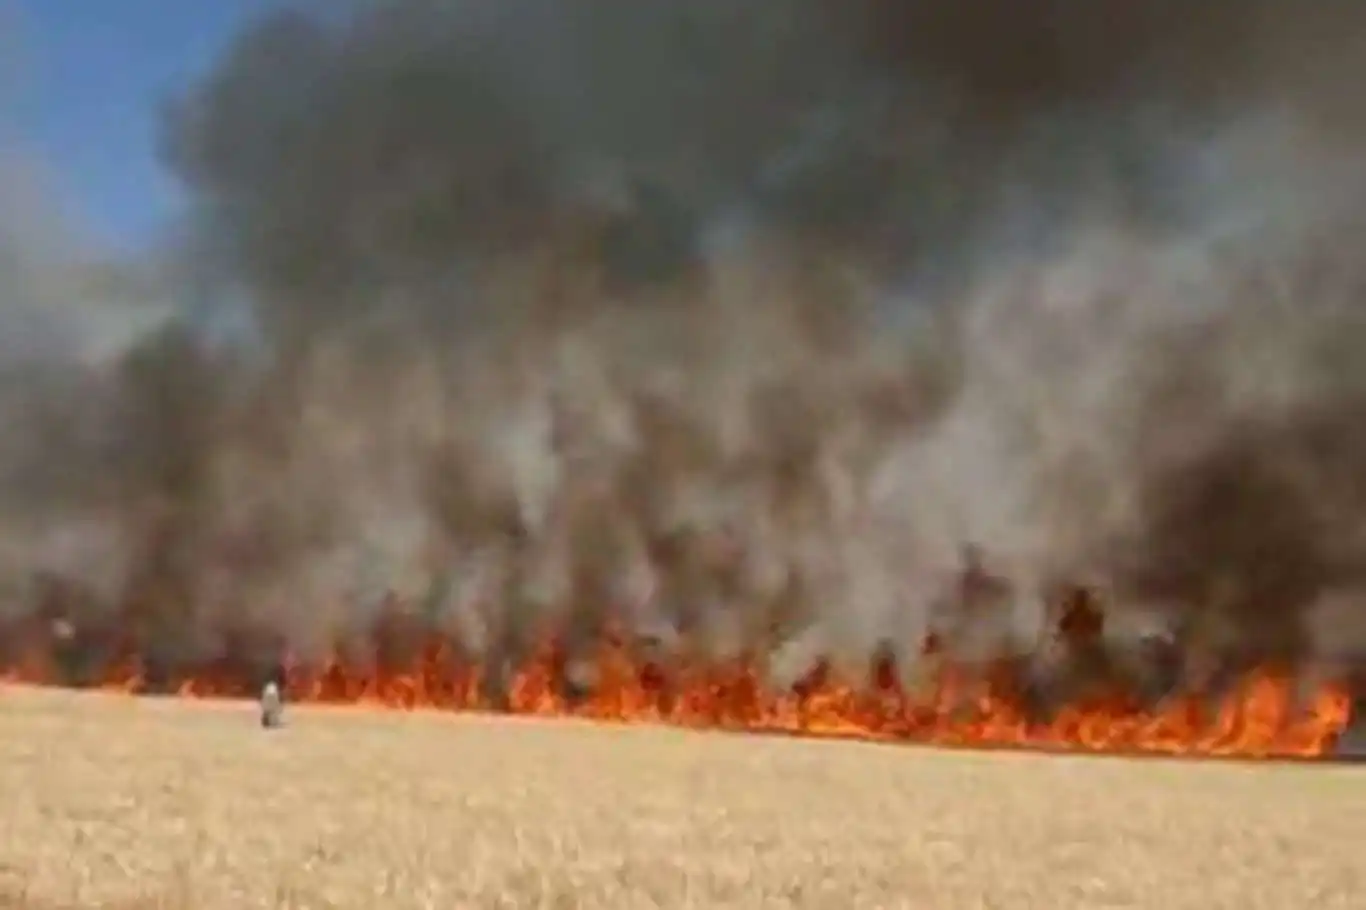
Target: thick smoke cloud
{"x": 66, "y": 317}
{"x": 801, "y": 328}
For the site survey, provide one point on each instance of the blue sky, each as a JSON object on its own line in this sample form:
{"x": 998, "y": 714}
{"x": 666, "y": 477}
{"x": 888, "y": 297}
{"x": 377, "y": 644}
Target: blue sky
{"x": 88, "y": 76}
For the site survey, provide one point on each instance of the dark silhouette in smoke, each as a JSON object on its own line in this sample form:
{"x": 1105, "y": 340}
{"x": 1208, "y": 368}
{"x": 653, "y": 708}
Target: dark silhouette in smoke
{"x": 732, "y": 325}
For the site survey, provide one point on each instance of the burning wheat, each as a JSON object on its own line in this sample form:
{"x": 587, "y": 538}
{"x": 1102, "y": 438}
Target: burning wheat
{"x": 1258, "y": 716}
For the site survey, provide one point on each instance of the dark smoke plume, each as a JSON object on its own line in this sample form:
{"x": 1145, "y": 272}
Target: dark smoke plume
{"x": 800, "y": 328}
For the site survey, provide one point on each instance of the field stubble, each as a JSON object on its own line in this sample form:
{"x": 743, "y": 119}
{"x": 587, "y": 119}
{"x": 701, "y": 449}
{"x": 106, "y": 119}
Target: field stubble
{"x": 111, "y": 801}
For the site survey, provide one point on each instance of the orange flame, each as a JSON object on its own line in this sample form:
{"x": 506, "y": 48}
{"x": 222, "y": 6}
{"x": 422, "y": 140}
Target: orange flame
{"x": 1260, "y": 717}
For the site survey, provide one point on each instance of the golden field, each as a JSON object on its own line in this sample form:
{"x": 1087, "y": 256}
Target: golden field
{"x": 111, "y": 801}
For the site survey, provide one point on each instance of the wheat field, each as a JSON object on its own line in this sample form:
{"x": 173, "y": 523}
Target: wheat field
{"x": 110, "y": 801}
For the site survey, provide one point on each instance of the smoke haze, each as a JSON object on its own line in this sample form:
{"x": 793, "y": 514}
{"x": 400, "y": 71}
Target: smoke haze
{"x": 799, "y": 328}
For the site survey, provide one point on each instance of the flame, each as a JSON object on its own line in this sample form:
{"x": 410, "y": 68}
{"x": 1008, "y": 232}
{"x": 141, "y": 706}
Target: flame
{"x": 1259, "y": 717}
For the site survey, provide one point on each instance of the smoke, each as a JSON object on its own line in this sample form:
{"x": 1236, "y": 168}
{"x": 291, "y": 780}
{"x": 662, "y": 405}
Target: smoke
{"x": 803, "y": 329}
{"x": 66, "y": 317}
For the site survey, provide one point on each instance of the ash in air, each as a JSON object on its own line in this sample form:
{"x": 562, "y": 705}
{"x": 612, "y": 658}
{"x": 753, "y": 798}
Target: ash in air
{"x": 800, "y": 329}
